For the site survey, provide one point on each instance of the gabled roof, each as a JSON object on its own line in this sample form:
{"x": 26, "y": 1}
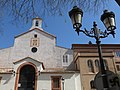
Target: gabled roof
{"x": 27, "y": 58}
{"x": 38, "y": 30}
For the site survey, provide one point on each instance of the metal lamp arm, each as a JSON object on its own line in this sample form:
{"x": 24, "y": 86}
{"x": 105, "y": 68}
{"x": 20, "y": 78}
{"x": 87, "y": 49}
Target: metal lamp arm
{"x": 91, "y": 33}
{"x": 87, "y": 33}
{"x": 95, "y": 32}
{"x": 104, "y": 34}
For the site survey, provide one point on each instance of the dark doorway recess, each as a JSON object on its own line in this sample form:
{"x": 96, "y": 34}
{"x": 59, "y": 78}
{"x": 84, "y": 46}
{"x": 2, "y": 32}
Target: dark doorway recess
{"x": 27, "y": 78}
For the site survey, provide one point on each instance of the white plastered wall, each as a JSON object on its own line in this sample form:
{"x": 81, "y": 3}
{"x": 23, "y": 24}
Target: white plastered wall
{"x": 71, "y": 81}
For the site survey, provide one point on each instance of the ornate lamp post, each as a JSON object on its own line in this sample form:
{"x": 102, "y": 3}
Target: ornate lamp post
{"x": 118, "y": 2}
{"x": 108, "y": 18}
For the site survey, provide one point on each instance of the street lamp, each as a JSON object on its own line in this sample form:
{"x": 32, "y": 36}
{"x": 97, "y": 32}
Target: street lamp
{"x": 118, "y": 2}
{"x": 108, "y": 18}
{"x": 76, "y": 17}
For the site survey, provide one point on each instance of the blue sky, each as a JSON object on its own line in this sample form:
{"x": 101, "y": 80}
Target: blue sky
{"x": 61, "y": 27}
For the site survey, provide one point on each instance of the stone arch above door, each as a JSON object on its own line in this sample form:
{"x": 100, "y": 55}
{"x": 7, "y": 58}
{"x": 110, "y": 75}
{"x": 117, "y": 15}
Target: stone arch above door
{"x": 20, "y": 64}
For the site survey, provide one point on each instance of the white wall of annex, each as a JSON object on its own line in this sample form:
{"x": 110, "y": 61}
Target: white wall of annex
{"x": 71, "y": 81}
{"x": 7, "y": 82}
{"x": 44, "y": 81}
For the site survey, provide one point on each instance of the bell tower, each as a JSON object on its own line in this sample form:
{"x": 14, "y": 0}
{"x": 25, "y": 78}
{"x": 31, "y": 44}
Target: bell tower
{"x": 36, "y": 23}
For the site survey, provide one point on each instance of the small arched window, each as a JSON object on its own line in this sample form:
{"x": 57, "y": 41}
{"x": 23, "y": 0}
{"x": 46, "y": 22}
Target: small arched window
{"x": 97, "y": 64}
{"x": 0, "y": 79}
{"x": 117, "y": 53}
{"x": 36, "y": 23}
{"x": 106, "y": 64}
{"x": 65, "y": 59}
{"x": 92, "y": 84}
{"x": 90, "y": 66}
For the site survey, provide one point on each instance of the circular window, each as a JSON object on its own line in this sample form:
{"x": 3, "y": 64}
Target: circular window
{"x": 34, "y": 49}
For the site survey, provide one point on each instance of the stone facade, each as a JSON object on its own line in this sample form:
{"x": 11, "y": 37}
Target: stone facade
{"x": 83, "y": 53}
{"x": 36, "y": 56}
{"x": 37, "y": 50}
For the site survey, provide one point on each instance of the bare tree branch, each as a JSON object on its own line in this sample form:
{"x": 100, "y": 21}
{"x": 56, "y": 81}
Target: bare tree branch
{"x": 26, "y": 9}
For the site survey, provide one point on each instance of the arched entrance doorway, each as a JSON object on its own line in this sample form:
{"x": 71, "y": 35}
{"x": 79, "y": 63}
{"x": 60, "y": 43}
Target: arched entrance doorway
{"x": 26, "y": 78}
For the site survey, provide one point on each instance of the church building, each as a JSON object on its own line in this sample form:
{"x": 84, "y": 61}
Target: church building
{"x": 87, "y": 62}
{"x": 35, "y": 62}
